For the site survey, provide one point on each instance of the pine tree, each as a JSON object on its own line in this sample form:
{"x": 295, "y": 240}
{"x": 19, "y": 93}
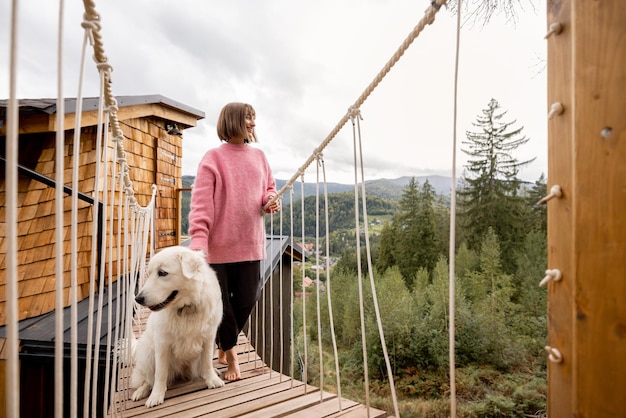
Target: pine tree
{"x": 490, "y": 193}
{"x": 386, "y": 248}
{"x": 538, "y": 214}
{"x": 415, "y": 239}
{"x": 428, "y": 242}
{"x": 490, "y": 291}
{"x": 407, "y": 230}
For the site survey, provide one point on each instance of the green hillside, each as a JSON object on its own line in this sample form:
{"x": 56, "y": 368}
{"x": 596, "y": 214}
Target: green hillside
{"x": 382, "y": 201}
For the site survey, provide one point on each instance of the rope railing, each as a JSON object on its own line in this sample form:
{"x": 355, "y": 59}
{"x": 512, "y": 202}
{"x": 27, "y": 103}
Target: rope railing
{"x": 93, "y": 18}
{"x": 135, "y": 228}
{"x": 353, "y": 114}
{"x": 427, "y": 19}
{"x": 92, "y": 24}
{"x": 134, "y": 224}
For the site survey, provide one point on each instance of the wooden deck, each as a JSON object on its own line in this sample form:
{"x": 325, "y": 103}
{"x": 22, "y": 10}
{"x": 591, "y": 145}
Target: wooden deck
{"x": 261, "y": 392}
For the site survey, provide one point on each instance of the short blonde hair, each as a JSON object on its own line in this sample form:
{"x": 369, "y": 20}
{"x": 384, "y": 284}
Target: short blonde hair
{"x": 232, "y": 121}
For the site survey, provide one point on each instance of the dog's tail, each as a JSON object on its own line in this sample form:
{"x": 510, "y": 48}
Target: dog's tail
{"x": 125, "y": 350}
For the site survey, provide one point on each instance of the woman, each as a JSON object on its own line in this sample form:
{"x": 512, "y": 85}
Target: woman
{"x": 233, "y": 184}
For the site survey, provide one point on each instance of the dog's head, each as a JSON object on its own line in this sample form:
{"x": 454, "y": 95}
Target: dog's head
{"x": 174, "y": 275}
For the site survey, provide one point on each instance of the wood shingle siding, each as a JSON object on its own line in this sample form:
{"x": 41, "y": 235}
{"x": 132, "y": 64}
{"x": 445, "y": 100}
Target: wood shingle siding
{"x": 155, "y": 158}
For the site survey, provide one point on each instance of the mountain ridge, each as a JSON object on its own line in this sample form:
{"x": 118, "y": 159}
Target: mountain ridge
{"x": 383, "y": 187}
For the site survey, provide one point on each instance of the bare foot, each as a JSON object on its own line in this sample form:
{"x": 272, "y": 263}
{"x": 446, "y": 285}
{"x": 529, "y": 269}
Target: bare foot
{"x": 232, "y": 373}
{"x": 221, "y": 356}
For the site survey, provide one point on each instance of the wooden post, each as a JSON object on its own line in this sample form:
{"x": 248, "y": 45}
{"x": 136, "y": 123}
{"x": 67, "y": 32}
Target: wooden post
{"x": 587, "y": 224}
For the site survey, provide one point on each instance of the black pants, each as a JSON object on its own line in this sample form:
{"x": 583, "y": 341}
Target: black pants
{"x": 241, "y": 288}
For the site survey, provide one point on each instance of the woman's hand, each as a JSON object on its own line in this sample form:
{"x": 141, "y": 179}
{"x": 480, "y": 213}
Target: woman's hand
{"x": 274, "y": 206}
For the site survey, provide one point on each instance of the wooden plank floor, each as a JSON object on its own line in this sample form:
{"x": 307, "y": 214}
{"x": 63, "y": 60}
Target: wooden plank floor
{"x": 261, "y": 393}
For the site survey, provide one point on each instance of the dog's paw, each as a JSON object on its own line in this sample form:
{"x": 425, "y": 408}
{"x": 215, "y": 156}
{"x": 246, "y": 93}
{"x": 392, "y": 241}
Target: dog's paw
{"x": 214, "y": 381}
{"x": 141, "y": 392}
{"x": 156, "y": 398}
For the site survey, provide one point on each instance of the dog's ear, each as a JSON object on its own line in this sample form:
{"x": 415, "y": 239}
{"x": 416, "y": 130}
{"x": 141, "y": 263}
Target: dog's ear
{"x": 189, "y": 264}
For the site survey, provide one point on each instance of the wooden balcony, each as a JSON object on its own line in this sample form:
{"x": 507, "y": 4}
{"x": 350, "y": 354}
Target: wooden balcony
{"x": 261, "y": 392}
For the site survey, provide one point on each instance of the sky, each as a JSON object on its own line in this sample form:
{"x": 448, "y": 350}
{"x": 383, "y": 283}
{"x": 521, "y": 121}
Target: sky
{"x": 302, "y": 65}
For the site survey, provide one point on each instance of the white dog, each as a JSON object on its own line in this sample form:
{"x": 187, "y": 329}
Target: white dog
{"x": 184, "y": 296}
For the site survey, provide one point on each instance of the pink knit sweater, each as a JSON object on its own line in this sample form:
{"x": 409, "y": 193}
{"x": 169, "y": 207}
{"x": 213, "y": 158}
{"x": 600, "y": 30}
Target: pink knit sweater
{"x": 233, "y": 184}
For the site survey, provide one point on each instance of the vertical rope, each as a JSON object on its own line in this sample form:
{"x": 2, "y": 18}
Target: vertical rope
{"x": 328, "y": 290}
{"x": 451, "y": 289}
{"x": 263, "y": 328}
{"x": 359, "y": 270}
{"x": 304, "y": 333}
{"x": 129, "y": 261}
{"x": 281, "y": 301}
{"x": 74, "y": 239}
{"x": 59, "y": 225}
{"x": 370, "y": 270}
{"x": 12, "y": 372}
{"x": 320, "y": 162}
{"x": 121, "y": 354}
{"x": 109, "y": 187}
{"x": 97, "y": 250}
{"x": 252, "y": 352}
{"x": 291, "y": 281}
{"x": 271, "y": 278}
{"x": 111, "y": 369}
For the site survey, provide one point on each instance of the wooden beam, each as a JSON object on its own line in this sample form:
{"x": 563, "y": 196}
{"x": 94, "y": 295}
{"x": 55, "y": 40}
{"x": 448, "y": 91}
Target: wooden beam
{"x": 587, "y": 226}
{"x": 560, "y": 248}
{"x": 599, "y": 171}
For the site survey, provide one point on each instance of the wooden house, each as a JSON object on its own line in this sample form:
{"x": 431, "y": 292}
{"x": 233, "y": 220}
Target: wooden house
{"x": 152, "y": 126}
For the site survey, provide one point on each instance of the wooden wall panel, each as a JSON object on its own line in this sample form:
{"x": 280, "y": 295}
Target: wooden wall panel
{"x": 152, "y": 155}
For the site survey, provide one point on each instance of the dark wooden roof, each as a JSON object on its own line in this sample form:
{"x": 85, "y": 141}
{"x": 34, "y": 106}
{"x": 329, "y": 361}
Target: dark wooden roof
{"x": 49, "y": 106}
{"x": 37, "y": 334}
{"x": 275, "y": 247}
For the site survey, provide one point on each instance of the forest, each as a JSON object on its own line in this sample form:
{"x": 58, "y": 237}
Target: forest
{"x": 500, "y": 311}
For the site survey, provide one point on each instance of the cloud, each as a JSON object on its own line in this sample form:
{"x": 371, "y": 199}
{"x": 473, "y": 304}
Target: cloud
{"x": 302, "y": 65}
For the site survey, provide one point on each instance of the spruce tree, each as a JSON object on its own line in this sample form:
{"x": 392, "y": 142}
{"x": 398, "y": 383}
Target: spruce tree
{"x": 385, "y": 258}
{"x": 490, "y": 292}
{"x": 538, "y": 213}
{"x": 408, "y": 229}
{"x": 417, "y": 241}
{"x": 490, "y": 193}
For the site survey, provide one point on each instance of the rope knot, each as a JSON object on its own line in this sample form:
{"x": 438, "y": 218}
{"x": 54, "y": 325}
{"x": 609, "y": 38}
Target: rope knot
{"x": 318, "y": 154}
{"x": 105, "y": 67}
{"x": 91, "y": 24}
{"x": 354, "y": 113}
